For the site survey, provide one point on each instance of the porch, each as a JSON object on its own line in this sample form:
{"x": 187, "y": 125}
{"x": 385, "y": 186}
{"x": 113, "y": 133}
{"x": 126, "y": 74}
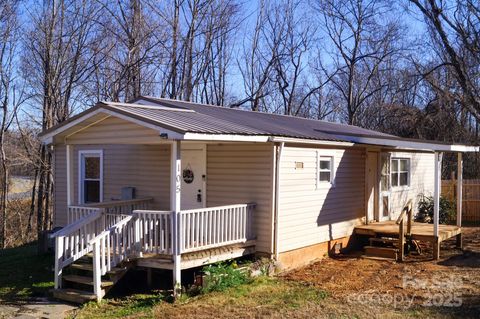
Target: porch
{"x": 107, "y": 239}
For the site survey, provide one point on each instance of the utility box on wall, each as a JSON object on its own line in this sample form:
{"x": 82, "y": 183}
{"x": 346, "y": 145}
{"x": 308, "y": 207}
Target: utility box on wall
{"x": 128, "y": 193}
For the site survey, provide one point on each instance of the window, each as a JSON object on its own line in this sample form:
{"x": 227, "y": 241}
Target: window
{"x": 400, "y": 171}
{"x": 91, "y": 179}
{"x": 325, "y": 169}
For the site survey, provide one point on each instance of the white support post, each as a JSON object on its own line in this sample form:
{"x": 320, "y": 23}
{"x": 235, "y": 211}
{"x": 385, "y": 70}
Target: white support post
{"x": 175, "y": 198}
{"x": 459, "y": 189}
{"x": 58, "y": 257}
{"x": 97, "y": 276}
{"x": 459, "y": 197}
{"x": 436, "y": 204}
{"x": 69, "y": 157}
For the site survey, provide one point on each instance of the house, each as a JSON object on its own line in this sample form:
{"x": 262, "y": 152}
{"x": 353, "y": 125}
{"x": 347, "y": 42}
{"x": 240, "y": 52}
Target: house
{"x": 159, "y": 183}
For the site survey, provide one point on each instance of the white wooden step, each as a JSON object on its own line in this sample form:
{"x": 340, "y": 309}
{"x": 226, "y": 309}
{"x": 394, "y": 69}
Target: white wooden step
{"x": 86, "y": 280}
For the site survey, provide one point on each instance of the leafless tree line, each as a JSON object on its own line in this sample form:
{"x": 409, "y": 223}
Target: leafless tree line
{"x": 408, "y": 67}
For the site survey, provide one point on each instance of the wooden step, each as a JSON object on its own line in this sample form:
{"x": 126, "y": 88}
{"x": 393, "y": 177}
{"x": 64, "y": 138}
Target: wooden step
{"x": 382, "y": 241}
{"x": 89, "y": 267}
{"x": 86, "y": 280}
{"x": 74, "y": 295}
{"x": 384, "y": 252}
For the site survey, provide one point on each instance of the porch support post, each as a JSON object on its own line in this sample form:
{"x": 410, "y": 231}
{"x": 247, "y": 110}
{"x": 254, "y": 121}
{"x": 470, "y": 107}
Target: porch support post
{"x": 459, "y": 197}
{"x": 175, "y": 197}
{"x": 436, "y": 204}
{"x": 69, "y": 158}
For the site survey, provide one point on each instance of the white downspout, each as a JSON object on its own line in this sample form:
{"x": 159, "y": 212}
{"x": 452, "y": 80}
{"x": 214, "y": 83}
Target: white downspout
{"x": 277, "y": 195}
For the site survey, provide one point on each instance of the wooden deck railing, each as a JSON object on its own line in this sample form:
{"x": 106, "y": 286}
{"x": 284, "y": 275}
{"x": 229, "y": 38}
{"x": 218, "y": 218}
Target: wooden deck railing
{"x": 114, "y": 237}
{"x": 110, "y": 248}
{"x": 406, "y": 214}
{"x": 72, "y": 241}
{"x": 154, "y": 230}
{"x": 112, "y": 208}
{"x": 211, "y": 227}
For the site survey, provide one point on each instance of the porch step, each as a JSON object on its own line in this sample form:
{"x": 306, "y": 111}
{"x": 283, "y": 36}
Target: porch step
{"x": 89, "y": 267}
{"x": 74, "y": 295}
{"x": 87, "y": 280}
{"x": 385, "y": 252}
{"x": 383, "y": 241}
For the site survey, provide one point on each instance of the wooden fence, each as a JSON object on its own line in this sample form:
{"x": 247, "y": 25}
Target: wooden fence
{"x": 470, "y": 198}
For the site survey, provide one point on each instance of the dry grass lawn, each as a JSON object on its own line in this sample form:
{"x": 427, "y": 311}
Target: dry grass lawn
{"x": 343, "y": 287}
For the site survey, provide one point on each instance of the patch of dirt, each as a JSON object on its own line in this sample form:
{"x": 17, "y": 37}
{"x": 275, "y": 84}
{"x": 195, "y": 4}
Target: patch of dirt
{"x": 451, "y": 283}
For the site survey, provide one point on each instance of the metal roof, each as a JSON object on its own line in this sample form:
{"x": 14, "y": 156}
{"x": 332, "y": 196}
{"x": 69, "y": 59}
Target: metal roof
{"x": 210, "y": 119}
{"x": 186, "y": 117}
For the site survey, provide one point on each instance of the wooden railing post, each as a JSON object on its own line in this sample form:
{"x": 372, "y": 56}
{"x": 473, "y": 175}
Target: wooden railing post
{"x": 58, "y": 261}
{"x": 401, "y": 241}
{"x": 97, "y": 275}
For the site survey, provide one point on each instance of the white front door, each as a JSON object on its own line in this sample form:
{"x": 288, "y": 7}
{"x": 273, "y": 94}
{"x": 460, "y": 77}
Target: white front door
{"x": 372, "y": 185}
{"x": 193, "y": 176}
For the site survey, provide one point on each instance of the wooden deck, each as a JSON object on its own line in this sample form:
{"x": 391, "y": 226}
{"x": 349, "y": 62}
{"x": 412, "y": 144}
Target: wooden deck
{"x": 420, "y": 231}
{"x": 198, "y": 258}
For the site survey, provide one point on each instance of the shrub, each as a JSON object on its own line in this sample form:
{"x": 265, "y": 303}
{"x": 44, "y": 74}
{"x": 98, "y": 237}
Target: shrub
{"x": 221, "y": 276}
{"x": 447, "y": 209}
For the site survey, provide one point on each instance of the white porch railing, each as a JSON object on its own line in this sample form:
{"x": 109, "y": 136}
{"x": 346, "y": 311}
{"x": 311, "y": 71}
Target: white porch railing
{"x": 72, "y": 241}
{"x": 154, "y": 230}
{"x": 110, "y": 248}
{"x": 114, "y": 237}
{"x": 211, "y": 227}
{"x": 115, "y": 207}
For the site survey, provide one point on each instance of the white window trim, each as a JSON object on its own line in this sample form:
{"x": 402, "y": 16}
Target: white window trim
{"x": 81, "y": 155}
{"x": 318, "y": 183}
{"x": 409, "y": 178}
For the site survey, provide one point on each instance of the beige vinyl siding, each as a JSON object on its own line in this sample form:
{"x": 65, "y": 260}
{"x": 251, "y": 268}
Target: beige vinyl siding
{"x": 60, "y": 185}
{"x": 421, "y": 181}
{"x": 145, "y": 167}
{"x": 311, "y": 212}
{"x": 115, "y": 131}
{"x": 243, "y": 173}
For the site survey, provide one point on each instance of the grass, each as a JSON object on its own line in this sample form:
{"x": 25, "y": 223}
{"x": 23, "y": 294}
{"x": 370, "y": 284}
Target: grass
{"x": 265, "y": 294}
{"x": 24, "y": 274}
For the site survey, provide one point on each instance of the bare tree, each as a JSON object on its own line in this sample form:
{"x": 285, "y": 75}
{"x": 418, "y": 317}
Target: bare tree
{"x": 455, "y": 32}
{"x": 361, "y": 44}
{"x": 55, "y": 62}
{"x": 9, "y": 32}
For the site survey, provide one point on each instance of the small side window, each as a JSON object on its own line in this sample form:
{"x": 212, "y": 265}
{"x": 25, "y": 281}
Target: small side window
{"x": 400, "y": 172}
{"x": 325, "y": 169}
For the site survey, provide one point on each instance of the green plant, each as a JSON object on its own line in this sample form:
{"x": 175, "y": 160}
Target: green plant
{"x": 447, "y": 209}
{"x": 221, "y": 276}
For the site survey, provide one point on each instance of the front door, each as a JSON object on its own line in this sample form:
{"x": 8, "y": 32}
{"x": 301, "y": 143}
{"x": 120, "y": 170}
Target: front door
{"x": 372, "y": 185}
{"x": 193, "y": 176}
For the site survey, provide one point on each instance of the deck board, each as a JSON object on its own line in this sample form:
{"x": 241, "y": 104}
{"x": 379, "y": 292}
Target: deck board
{"x": 420, "y": 231}
{"x": 198, "y": 258}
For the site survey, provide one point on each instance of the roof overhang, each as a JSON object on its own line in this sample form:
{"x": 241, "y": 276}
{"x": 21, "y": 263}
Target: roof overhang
{"x": 410, "y": 144}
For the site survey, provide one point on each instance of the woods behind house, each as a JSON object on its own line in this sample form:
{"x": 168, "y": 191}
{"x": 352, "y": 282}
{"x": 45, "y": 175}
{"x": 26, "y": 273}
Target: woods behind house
{"x": 410, "y": 68}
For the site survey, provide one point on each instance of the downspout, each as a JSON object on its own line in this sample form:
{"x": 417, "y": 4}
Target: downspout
{"x": 277, "y": 194}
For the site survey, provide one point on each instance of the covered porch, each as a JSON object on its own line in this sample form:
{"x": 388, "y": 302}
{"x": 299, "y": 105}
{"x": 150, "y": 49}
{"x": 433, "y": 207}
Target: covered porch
{"x": 402, "y": 232}
{"x": 119, "y": 234}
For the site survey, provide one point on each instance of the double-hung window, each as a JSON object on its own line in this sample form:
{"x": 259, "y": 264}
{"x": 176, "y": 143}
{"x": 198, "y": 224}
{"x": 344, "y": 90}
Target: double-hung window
{"x": 91, "y": 176}
{"x": 400, "y": 172}
{"x": 325, "y": 169}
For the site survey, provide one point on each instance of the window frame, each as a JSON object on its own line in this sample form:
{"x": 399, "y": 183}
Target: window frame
{"x": 82, "y": 154}
{"x": 325, "y": 184}
{"x": 399, "y": 171}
